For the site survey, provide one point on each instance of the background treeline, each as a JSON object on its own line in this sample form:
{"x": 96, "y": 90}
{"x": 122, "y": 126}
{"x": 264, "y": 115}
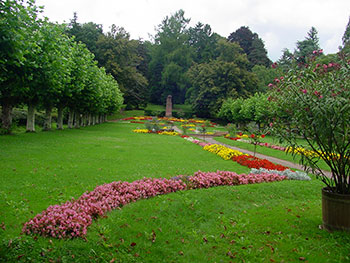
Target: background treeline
{"x": 80, "y": 69}
{"x": 193, "y": 64}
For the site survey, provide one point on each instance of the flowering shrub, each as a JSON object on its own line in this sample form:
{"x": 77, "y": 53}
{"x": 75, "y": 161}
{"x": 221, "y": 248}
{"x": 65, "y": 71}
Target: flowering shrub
{"x": 288, "y": 173}
{"x": 223, "y": 151}
{"x": 254, "y": 162}
{"x": 313, "y": 101}
{"x": 72, "y": 218}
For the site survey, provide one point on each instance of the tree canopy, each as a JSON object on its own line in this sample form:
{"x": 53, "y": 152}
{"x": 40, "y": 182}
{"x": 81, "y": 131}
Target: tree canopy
{"x": 252, "y": 45}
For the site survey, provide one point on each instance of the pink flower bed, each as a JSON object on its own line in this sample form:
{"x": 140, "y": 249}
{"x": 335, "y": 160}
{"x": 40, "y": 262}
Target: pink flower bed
{"x": 72, "y": 218}
{"x": 210, "y": 179}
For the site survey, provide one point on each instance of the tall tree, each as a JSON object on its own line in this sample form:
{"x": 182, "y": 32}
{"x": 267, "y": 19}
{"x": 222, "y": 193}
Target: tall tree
{"x": 87, "y": 33}
{"x": 47, "y": 71}
{"x": 171, "y": 58}
{"x": 17, "y": 41}
{"x": 306, "y": 47}
{"x": 203, "y": 41}
{"x": 121, "y": 58}
{"x": 217, "y": 80}
{"x": 346, "y": 39}
{"x": 286, "y": 60}
{"x": 252, "y": 45}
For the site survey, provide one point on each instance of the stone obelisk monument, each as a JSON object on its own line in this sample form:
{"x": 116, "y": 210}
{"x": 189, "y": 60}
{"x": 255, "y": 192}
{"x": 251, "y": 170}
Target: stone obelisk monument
{"x": 169, "y": 107}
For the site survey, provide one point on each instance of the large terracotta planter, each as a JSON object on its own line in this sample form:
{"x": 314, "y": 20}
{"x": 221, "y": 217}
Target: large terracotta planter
{"x": 335, "y": 211}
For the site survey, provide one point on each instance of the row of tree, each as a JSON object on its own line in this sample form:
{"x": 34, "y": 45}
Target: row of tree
{"x": 42, "y": 67}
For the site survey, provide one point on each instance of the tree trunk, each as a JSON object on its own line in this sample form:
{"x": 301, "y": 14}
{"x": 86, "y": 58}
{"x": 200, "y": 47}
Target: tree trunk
{"x": 89, "y": 119}
{"x": 48, "y": 119}
{"x": 60, "y": 118}
{"x": 30, "y": 118}
{"x": 76, "y": 120}
{"x": 70, "y": 119}
{"x": 6, "y": 117}
{"x": 93, "y": 119}
{"x": 86, "y": 118}
{"x": 82, "y": 120}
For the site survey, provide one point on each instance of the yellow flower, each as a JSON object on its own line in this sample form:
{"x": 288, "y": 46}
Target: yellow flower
{"x": 141, "y": 131}
{"x": 169, "y": 133}
{"x": 223, "y": 151}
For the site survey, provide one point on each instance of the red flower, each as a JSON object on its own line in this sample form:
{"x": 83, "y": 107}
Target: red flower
{"x": 262, "y": 136}
{"x": 252, "y": 135}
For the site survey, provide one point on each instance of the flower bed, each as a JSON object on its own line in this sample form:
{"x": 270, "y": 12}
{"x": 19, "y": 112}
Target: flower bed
{"x": 172, "y": 133}
{"x": 254, "y": 162}
{"x": 208, "y": 179}
{"x": 265, "y": 144}
{"x": 301, "y": 176}
{"x": 72, "y": 218}
{"x": 142, "y": 118}
{"x": 223, "y": 151}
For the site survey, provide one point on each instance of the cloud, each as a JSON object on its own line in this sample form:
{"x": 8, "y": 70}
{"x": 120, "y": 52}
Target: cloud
{"x": 280, "y": 23}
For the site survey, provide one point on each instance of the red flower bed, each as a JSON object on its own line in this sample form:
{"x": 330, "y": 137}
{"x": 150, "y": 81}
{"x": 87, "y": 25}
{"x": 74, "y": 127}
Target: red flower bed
{"x": 254, "y": 162}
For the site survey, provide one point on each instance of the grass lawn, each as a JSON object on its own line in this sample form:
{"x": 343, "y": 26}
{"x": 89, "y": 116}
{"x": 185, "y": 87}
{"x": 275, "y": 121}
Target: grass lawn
{"x": 267, "y": 151}
{"x": 251, "y": 223}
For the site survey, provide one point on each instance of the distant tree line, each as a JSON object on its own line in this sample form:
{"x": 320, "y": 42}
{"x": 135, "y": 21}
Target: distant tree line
{"x": 193, "y": 64}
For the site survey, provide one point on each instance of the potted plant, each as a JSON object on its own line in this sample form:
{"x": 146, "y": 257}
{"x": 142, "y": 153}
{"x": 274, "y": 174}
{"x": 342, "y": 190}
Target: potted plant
{"x": 312, "y": 102}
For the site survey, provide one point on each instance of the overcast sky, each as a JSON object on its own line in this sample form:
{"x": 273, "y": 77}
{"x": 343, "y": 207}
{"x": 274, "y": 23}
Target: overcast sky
{"x": 280, "y": 23}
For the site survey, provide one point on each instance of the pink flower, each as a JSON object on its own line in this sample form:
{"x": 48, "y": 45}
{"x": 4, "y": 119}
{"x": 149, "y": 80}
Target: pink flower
{"x": 304, "y": 91}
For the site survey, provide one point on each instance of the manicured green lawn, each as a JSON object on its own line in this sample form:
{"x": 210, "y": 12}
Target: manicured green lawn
{"x": 255, "y": 223}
